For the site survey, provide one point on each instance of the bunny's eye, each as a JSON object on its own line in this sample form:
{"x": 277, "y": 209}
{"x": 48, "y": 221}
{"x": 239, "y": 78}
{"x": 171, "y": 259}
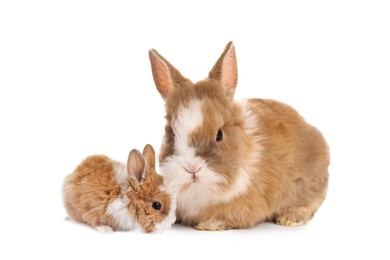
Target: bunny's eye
{"x": 219, "y": 135}
{"x": 156, "y": 205}
{"x": 173, "y": 139}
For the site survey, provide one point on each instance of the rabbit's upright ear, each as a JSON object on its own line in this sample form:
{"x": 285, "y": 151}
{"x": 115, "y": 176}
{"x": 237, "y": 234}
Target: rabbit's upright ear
{"x": 150, "y": 158}
{"x": 136, "y": 165}
{"x": 225, "y": 70}
{"x": 165, "y": 76}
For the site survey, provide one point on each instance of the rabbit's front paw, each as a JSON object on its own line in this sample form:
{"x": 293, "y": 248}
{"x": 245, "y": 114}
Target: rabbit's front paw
{"x": 211, "y": 226}
{"x": 295, "y": 216}
{"x": 104, "y": 229}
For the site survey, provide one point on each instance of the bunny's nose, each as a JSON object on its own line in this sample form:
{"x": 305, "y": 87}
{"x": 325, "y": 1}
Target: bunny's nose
{"x": 192, "y": 168}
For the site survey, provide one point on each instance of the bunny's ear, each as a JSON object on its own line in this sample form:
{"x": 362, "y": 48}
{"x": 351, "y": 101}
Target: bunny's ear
{"x": 150, "y": 157}
{"x": 225, "y": 70}
{"x": 164, "y": 74}
{"x": 136, "y": 165}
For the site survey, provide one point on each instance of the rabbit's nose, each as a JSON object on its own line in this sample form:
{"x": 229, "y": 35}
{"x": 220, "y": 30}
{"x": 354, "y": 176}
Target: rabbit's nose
{"x": 192, "y": 168}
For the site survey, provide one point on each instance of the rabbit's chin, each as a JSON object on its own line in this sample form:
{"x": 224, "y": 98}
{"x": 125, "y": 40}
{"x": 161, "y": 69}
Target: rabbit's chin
{"x": 210, "y": 189}
{"x": 205, "y": 189}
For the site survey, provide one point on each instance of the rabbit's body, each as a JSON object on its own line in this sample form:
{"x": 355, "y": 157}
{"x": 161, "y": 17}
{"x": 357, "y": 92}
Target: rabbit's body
{"x": 236, "y": 164}
{"x": 286, "y": 165}
{"x": 96, "y": 190}
{"x": 108, "y": 195}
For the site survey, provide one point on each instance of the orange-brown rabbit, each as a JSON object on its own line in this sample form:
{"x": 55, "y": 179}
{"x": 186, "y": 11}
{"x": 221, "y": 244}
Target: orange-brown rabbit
{"x": 235, "y": 164}
{"x": 107, "y": 195}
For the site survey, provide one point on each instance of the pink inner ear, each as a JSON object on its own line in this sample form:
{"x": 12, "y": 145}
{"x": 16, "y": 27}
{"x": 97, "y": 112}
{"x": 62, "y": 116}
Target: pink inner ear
{"x": 229, "y": 71}
{"x": 161, "y": 75}
{"x": 136, "y": 164}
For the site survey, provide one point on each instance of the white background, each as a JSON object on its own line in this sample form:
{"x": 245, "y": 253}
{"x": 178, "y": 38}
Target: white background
{"x": 75, "y": 80}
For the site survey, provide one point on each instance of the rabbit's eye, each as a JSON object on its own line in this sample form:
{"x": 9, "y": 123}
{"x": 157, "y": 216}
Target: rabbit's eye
{"x": 156, "y": 205}
{"x": 173, "y": 139}
{"x": 219, "y": 135}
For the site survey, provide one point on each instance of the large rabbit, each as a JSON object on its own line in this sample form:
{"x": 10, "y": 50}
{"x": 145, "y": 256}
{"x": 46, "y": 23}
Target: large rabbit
{"x": 235, "y": 164}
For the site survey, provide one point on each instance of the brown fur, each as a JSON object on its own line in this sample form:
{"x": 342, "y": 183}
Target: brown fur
{"x": 288, "y": 179}
{"x": 90, "y": 189}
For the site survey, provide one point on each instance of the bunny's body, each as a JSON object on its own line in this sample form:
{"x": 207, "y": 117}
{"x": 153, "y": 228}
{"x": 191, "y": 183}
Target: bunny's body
{"x": 107, "y": 195}
{"x": 236, "y": 164}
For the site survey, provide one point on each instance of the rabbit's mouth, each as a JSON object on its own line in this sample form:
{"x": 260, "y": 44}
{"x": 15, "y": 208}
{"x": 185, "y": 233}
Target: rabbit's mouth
{"x": 202, "y": 175}
{"x": 193, "y": 170}
{"x": 194, "y": 177}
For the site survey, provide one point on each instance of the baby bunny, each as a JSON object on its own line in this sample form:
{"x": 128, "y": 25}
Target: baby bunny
{"x": 108, "y": 196}
{"x": 235, "y": 164}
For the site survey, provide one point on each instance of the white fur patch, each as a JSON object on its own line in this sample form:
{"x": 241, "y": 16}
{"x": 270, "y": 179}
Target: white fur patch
{"x": 121, "y": 175}
{"x": 240, "y": 186}
{"x": 192, "y": 199}
{"x": 188, "y": 119}
{"x": 251, "y": 119}
{"x": 252, "y": 125}
{"x": 119, "y": 211}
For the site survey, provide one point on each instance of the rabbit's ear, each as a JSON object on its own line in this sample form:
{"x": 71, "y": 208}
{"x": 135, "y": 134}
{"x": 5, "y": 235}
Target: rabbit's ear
{"x": 165, "y": 75}
{"x": 150, "y": 158}
{"x": 225, "y": 70}
{"x": 136, "y": 165}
